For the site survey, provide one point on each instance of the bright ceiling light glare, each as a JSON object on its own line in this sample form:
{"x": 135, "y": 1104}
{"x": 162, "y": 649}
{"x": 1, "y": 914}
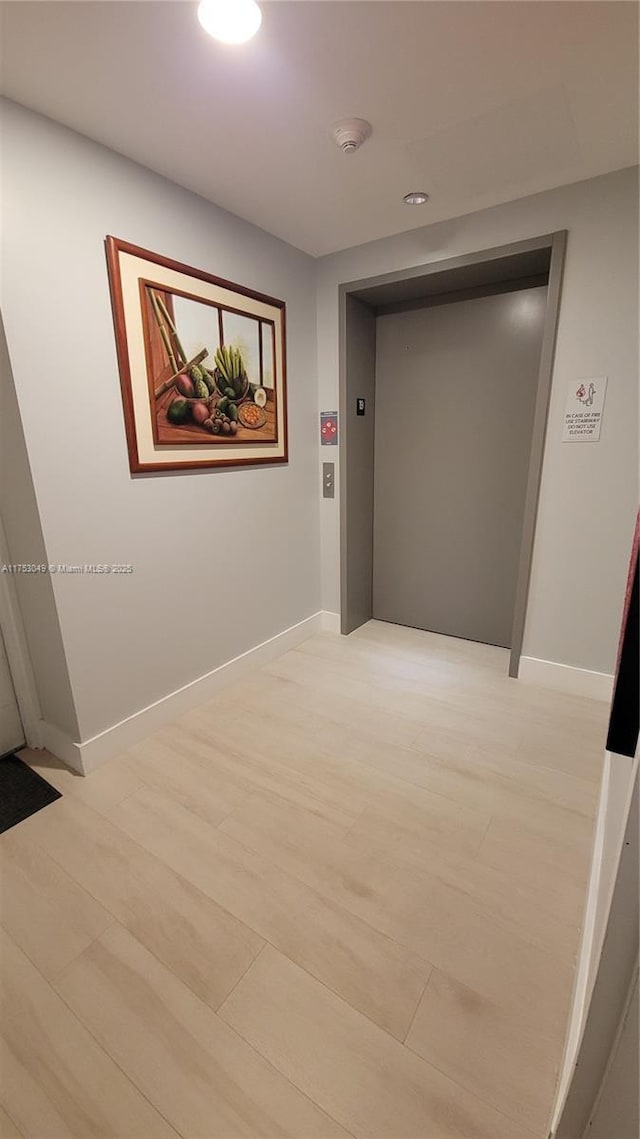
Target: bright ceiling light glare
{"x": 416, "y": 198}
{"x": 230, "y": 21}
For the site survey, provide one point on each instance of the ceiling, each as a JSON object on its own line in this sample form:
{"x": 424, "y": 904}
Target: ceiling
{"x": 476, "y": 102}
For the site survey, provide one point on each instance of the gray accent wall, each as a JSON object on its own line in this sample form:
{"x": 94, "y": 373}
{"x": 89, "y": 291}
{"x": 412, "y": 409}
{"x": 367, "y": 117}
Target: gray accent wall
{"x": 588, "y": 492}
{"x": 360, "y": 348}
{"x": 455, "y": 397}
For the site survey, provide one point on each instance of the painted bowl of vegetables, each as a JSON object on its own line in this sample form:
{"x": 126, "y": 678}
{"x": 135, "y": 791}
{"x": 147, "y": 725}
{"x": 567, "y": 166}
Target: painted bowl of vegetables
{"x": 230, "y": 374}
{"x": 236, "y": 389}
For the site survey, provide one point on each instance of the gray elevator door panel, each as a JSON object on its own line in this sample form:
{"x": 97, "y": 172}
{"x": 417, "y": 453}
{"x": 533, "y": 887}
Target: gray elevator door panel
{"x": 455, "y": 396}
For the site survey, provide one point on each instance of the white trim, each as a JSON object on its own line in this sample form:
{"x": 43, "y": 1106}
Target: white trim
{"x": 330, "y": 621}
{"x": 611, "y": 823}
{"x": 61, "y": 745}
{"x": 88, "y": 754}
{"x": 580, "y": 998}
{"x": 614, "y": 1055}
{"x": 566, "y": 678}
{"x": 15, "y": 643}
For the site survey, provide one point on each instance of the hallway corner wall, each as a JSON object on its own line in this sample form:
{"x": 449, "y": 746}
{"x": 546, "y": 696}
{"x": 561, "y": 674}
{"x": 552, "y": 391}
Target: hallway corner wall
{"x": 25, "y": 545}
{"x": 223, "y": 560}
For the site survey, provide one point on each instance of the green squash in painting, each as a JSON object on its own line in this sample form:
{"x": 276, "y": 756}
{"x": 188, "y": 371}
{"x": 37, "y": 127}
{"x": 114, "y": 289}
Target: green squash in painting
{"x": 209, "y": 380}
{"x": 177, "y": 411}
{"x": 199, "y": 383}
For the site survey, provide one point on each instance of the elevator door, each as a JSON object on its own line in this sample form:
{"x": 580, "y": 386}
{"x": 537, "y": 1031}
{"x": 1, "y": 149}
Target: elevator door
{"x": 455, "y": 395}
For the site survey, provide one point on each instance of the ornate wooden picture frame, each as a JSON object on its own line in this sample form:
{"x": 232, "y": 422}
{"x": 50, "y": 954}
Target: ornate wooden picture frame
{"x": 202, "y": 365}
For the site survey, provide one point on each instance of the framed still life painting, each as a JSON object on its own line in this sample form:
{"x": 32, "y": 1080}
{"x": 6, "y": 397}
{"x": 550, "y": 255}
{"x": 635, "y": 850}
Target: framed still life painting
{"x": 202, "y": 365}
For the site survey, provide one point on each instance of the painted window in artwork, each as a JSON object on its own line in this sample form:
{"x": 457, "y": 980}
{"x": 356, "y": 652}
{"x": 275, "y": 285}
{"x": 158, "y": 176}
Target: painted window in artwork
{"x": 243, "y": 333}
{"x": 197, "y": 326}
{"x": 266, "y": 335}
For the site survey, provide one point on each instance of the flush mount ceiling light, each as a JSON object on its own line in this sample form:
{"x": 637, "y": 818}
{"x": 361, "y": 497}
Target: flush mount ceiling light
{"x": 231, "y": 21}
{"x": 416, "y": 198}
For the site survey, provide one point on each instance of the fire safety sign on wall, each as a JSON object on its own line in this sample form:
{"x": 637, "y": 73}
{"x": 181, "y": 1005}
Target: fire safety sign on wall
{"x": 329, "y": 428}
{"x": 583, "y": 413}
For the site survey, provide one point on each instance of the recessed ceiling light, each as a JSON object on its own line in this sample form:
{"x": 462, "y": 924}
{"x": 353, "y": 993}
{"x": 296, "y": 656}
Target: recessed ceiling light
{"x": 416, "y": 198}
{"x": 232, "y": 21}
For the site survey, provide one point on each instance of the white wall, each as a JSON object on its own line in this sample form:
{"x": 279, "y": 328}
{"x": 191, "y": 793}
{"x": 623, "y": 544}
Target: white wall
{"x": 611, "y": 820}
{"x": 25, "y": 544}
{"x": 589, "y": 491}
{"x": 616, "y": 1111}
{"x": 223, "y": 560}
{"x": 608, "y": 947}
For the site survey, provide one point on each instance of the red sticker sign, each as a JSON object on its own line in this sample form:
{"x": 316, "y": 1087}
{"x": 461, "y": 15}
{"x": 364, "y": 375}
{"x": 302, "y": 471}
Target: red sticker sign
{"x": 329, "y": 428}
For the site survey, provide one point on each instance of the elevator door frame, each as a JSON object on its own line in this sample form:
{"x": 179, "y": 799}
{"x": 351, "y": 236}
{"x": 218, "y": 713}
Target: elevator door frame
{"x": 466, "y": 269}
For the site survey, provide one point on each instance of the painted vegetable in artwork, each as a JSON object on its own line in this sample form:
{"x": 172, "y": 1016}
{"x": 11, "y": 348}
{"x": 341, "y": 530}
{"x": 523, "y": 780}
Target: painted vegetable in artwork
{"x": 184, "y": 384}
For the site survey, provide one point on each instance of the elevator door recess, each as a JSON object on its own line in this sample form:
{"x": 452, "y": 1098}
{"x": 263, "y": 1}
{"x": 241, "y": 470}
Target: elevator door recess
{"x": 455, "y": 392}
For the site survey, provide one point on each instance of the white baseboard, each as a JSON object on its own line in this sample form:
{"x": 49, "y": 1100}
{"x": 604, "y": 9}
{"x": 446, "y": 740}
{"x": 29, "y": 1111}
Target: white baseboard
{"x": 330, "y": 621}
{"x": 60, "y": 744}
{"x": 89, "y": 754}
{"x": 565, "y": 678}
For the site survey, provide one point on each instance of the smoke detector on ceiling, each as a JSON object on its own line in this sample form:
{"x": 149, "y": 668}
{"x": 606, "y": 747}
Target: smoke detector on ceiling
{"x": 349, "y": 134}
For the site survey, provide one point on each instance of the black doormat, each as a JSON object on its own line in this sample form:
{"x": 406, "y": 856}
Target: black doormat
{"x": 22, "y": 792}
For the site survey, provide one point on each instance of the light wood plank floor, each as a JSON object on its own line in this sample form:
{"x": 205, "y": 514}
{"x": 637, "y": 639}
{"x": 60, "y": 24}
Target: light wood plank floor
{"x": 341, "y": 899}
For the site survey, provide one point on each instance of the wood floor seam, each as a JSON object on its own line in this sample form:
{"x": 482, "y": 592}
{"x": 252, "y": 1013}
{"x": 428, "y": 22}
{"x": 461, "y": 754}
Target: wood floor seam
{"x": 402, "y": 1043}
{"x": 593, "y": 784}
{"x": 526, "y": 1133}
{"x": 267, "y": 1061}
{"x": 216, "y": 1016}
{"x": 415, "y": 1011}
{"x": 484, "y": 835}
{"x": 406, "y": 943}
{"x": 4, "y": 1108}
{"x": 113, "y": 1060}
{"x": 240, "y": 979}
{"x": 54, "y": 976}
{"x": 468, "y": 893}
{"x": 425, "y": 1067}
{"x": 332, "y": 901}
{"x": 86, "y": 1028}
